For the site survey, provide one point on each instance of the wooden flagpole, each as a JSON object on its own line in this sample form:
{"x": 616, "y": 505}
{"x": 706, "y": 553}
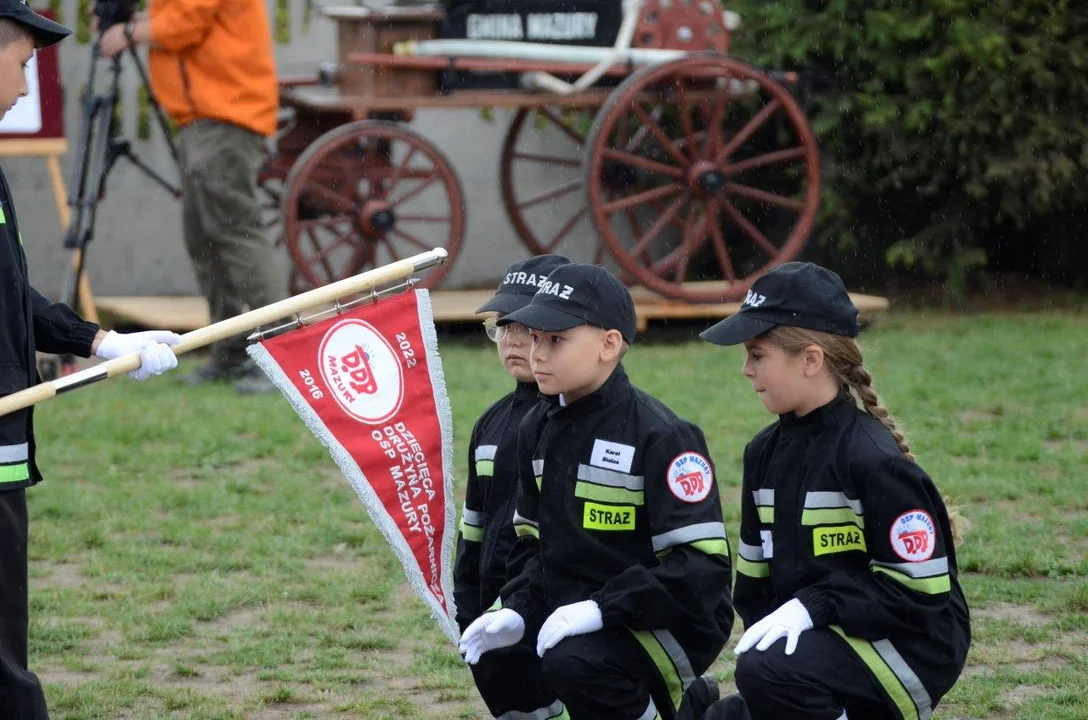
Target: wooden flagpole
{"x": 245, "y": 322}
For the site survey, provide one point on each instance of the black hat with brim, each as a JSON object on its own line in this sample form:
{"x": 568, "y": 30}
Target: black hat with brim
{"x": 796, "y": 294}
{"x": 520, "y": 283}
{"x": 736, "y": 329}
{"x": 505, "y": 304}
{"x": 45, "y": 31}
{"x": 542, "y": 317}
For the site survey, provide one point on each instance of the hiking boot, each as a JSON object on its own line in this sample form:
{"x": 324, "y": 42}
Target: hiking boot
{"x": 213, "y": 371}
{"x": 253, "y": 382}
{"x": 699, "y": 696}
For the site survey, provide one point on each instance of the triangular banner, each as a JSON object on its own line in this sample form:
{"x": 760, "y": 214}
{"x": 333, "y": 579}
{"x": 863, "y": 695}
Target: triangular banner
{"x": 369, "y": 384}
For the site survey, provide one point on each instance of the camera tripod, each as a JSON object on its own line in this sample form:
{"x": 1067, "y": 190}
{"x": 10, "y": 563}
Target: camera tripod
{"x": 98, "y": 147}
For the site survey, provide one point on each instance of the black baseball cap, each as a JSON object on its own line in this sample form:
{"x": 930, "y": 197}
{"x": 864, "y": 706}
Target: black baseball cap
{"x": 520, "y": 283}
{"x": 579, "y": 294}
{"x": 45, "y": 31}
{"x": 799, "y": 294}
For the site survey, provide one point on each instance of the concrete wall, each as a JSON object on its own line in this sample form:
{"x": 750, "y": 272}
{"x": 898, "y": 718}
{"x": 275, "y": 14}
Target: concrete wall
{"x": 138, "y": 247}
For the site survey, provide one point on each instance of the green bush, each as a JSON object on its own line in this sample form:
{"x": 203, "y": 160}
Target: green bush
{"x": 953, "y": 132}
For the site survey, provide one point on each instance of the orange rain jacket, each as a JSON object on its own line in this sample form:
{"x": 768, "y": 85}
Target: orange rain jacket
{"x": 212, "y": 59}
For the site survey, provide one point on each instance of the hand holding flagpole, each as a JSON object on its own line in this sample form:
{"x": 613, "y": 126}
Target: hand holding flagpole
{"x": 245, "y": 322}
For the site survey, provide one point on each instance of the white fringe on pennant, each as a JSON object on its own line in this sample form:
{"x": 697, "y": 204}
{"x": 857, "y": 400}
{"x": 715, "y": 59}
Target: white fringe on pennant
{"x": 445, "y": 422}
{"x": 355, "y": 477}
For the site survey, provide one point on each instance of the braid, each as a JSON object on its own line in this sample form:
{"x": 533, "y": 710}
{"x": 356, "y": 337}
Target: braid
{"x": 844, "y": 361}
{"x": 861, "y": 382}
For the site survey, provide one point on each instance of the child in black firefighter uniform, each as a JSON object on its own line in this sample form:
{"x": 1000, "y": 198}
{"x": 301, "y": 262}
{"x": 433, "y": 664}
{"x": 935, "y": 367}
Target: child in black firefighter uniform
{"x": 510, "y": 680}
{"x": 624, "y": 563}
{"x": 30, "y": 323}
{"x": 846, "y": 551}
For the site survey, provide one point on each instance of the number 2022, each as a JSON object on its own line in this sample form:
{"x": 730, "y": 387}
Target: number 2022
{"x": 308, "y": 379}
{"x": 406, "y": 350}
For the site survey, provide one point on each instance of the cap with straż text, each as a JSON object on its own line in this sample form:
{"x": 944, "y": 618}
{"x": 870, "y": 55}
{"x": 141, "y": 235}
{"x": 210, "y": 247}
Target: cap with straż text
{"x": 579, "y": 294}
{"x": 798, "y": 294}
{"x": 521, "y": 282}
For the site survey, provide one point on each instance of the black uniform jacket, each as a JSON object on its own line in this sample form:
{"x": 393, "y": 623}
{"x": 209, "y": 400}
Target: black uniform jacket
{"x": 835, "y": 515}
{"x": 28, "y": 322}
{"x": 618, "y": 504}
{"x": 487, "y": 530}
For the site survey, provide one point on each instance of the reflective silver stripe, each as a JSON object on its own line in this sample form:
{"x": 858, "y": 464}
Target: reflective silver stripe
{"x": 519, "y": 520}
{"x": 906, "y": 676}
{"x": 611, "y": 478}
{"x": 472, "y": 517}
{"x": 928, "y": 568}
{"x": 815, "y": 500}
{"x": 687, "y": 534}
{"x": 486, "y": 452}
{"x": 538, "y": 467}
{"x": 553, "y": 710}
{"x": 842, "y": 717}
{"x": 650, "y": 713}
{"x": 763, "y": 497}
{"x": 14, "y": 453}
{"x": 677, "y": 655}
{"x": 751, "y": 553}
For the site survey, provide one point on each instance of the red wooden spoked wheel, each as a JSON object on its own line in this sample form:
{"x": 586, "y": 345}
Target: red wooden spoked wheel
{"x": 718, "y": 166}
{"x": 270, "y": 196}
{"x": 543, "y": 184}
{"x": 292, "y": 137}
{"x": 543, "y": 187}
{"x": 367, "y": 194}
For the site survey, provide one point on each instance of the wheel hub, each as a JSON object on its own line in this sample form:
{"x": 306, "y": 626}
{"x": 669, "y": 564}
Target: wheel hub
{"x": 706, "y": 178}
{"x": 377, "y": 217}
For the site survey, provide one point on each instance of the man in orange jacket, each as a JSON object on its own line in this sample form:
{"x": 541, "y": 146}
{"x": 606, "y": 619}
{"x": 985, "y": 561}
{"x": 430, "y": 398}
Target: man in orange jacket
{"x": 213, "y": 71}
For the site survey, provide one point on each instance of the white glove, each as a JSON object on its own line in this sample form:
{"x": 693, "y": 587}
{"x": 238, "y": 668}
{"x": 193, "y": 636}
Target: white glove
{"x": 788, "y": 621}
{"x": 574, "y": 619}
{"x": 491, "y": 631}
{"x": 156, "y": 357}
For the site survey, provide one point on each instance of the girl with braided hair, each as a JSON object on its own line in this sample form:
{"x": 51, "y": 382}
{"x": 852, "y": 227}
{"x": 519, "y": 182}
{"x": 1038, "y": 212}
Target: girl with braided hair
{"x": 846, "y": 570}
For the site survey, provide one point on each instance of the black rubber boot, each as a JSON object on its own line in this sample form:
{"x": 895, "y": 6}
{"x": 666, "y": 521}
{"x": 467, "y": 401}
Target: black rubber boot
{"x": 699, "y": 696}
{"x": 730, "y": 708}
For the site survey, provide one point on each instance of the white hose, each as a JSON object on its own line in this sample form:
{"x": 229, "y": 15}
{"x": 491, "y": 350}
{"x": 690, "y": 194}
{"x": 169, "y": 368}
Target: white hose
{"x": 632, "y": 9}
{"x": 534, "y": 51}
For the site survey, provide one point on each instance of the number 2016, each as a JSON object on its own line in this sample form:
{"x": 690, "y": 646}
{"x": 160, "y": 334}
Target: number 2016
{"x": 311, "y": 385}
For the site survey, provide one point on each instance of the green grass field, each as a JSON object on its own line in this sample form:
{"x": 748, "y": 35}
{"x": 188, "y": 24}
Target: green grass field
{"x": 197, "y": 555}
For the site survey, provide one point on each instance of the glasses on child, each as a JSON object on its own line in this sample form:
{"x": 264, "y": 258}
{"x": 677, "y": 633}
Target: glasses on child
{"x": 497, "y": 332}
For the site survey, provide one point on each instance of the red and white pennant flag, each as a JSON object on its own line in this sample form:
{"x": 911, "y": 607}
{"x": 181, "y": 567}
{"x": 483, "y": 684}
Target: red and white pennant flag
{"x": 369, "y": 384}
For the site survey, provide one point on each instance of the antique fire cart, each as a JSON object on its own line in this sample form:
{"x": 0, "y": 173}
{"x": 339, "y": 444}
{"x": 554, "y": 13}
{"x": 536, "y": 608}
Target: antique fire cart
{"x": 633, "y": 137}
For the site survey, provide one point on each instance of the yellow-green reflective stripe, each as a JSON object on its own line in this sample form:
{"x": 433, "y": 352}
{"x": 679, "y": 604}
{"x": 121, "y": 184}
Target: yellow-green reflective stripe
{"x": 3, "y": 217}
{"x": 930, "y": 585}
{"x": 14, "y": 473}
{"x": 485, "y": 467}
{"x": 522, "y": 530}
{"x": 884, "y": 675}
{"x": 712, "y": 547}
{"x": 497, "y": 605}
{"x": 766, "y": 514}
{"x": 664, "y": 665}
{"x": 472, "y": 533}
{"x": 832, "y": 516}
{"x": 753, "y": 569}
{"x": 538, "y": 479}
{"x": 604, "y": 493}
